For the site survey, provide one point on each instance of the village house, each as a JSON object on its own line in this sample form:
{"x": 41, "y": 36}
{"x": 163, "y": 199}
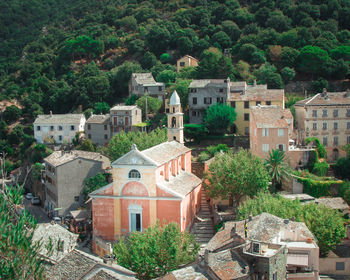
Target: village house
{"x": 241, "y": 99}
{"x": 98, "y": 129}
{"x": 186, "y": 61}
{"x": 263, "y": 247}
{"x": 124, "y": 118}
{"x": 58, "y": 128}
{"x": 141, "y": 84}
{"x": 271, "y": 127}
{"x": 326, "y": 116}
{"x": 150, "y": 185}
{"x": 65, "y": 175}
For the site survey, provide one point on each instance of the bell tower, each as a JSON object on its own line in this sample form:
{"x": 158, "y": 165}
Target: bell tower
{"x": 175, "y": 119}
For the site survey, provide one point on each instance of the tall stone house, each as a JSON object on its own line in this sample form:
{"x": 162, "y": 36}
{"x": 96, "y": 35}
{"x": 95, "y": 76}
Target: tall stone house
{"x": 98, "y": 129}
{"x": 327, "y": 117}
{"x": 65, "y": 176}
{"x": 186, "y": 61}
{"x": 123, "y": 118}
{"x": 58, "y": 128}
{"x": 141, "y": 84}
{"x": 150, "y": 185}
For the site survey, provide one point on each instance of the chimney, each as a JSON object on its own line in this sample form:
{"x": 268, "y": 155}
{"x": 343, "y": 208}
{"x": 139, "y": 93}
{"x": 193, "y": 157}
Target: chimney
{"x": 254, "y": 84}
{"x": 324, "y": 92}
{"x": 51, "y": 114}
{"x": 233, "y": 231}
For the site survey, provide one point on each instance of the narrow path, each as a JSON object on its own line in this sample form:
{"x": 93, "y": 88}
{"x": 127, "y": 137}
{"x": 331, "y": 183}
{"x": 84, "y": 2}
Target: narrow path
{"x": 203, "y": 228}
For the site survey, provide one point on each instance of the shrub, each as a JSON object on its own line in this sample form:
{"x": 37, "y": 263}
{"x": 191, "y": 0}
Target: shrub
{"x": 203, "y": 156}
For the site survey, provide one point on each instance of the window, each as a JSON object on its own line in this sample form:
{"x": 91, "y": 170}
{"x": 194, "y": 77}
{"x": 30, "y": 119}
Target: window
{"x": 193, "y": 90}
{"x": 38, "y": 128}
{"x": 246, "y": 104}
{"x": 314, "y": 113}
{"x": 348, "y": 125}
{"x": 348, "y": 140}
{"x": 60, "y": 128}
{"x": 324, "y": 113}
{"x": 233, "y": 104}
{"x": 265, "y": 132}
{"x": 194, "y": 100}
{"x": 246, "y": 117}
{"x": 51, "y": 127}
{"x": 335, "y": 113}
{"x": 182, "y": 64}
{"x": 258, "y": 103}
{"x": 314, "y": 126}
{"x": 135, "y": 218}
{"x": 335, "y": 126}
{"x": 221, "y": 90}
{"x": 265, "y": 147}
{"x": 325, "y": 141}
{"x": 89, "y": 136}
{"x": 280, "y": 147}
{"x": 340, "y": 266}
{"x": 59, "y": 137}
{"x": 348, "y": 112}
{"x": 134, "y": 174}
{"x": 246, "y": 131}
{"x": 256, "y": 248}
{"x": 219, "y": 100}
{"x": 268, "y": 102}
{"x": 105, "y": 127}
{"x": 145, "y": 89}
{"x": 72, "y": 127}
{"x": 194, "y": 113}
{"x": 136, "y": 112}
{"x": 89, "y": 126}
{"x": 106, "y": 136}
{"x": 207, "y": 100}
{"x": 335, "y": 141}
{"x": 280, "y": 132}
{"x": 160, "y": 88}
{"x": 324, "y": 126}
{"x": 274, "y": 276}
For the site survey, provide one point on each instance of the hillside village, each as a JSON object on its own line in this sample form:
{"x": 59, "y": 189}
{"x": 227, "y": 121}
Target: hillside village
{"x": 175, "y": 140}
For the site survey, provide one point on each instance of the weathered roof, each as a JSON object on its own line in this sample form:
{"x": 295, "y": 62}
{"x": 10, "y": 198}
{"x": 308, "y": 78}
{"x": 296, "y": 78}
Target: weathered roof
{"x": 80, "y": 265}
{"x": 166, "y": 151}
{"x": 270, "y": 116}
{"x": 326, "y": 99}
{"x": 227, "y": 265}
{"x": 80, "y": 215}
{"x": 98, "y": 119}
{"x": 205, "y": 82}
{"x": 61, "y": 157}
{"x": 264, "y": 227}
{"x": 55, "y": 235}
{"x": 59, "y": 119}
{"x": 181, "y": 184}
{"x": 145, "y": 79}
{"x": 123, "y": 107}
{"x": 343, "y": 250}
{"x": 192, "y": 272}
{"x": 333, "y": 202}
{"x": 174, "y": 99}
{"x": 258, "y": 93}
{"x": 191, "y": 57}
{"x": 300, "y": 196}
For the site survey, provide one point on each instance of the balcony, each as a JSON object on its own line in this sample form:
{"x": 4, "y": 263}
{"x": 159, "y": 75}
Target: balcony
{"x": 301, "y": 275}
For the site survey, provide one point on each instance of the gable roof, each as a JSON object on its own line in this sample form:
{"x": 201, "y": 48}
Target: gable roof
{"x": 123, "y": 107}
{"x": 333, "y": 202}
{"x": 270, "y": 116}
{"x": 207, "y": 82}
{"x": 192, "y": 272}
{"x": 59, "y": 119}
{"x": 257, "y": 93}
{"x": 326, "y": 98}
{"x": 61, "y": 157}
{"x": 134, "y": 157}
{"x": 180, "y": 185}
{"x": 145, "y": 79}
{"x": 174, "y": 99}
{"x": 98, "y": 119}
{"x": 165, "y": 152}
{"x": 187, "y": 55}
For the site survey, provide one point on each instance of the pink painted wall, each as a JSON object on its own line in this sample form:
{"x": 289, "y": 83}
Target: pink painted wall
{"x": 190, "y": 205}
{"x": 134, "y": 189}
{"x": 103, "y": 218}
{"x": 168, "y": 211}
{"x": 124, "y": 204}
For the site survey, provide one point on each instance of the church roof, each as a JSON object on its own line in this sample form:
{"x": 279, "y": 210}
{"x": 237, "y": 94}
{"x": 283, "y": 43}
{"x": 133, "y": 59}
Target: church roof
{"x": 174, "y": 99}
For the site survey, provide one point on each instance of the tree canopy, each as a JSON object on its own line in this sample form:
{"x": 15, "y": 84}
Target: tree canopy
{"x": 218, "y": 118}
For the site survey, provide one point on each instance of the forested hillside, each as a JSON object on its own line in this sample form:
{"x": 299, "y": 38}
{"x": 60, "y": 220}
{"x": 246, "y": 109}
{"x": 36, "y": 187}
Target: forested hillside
{"x": 57, "y": 54}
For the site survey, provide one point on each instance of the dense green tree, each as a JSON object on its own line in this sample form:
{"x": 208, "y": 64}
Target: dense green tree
{"x": 267, "y": 74}
{"x": 246, "y": 52}
{"x": 218, "y": 118}
{"x": 278, "y": 21}
{"x": 231, "y": 29}
{"x": 232, "y": 176}
{"x": 158, "y": 39}
{"x": 289, "y": 56}
{"x": 181, "y": 87}
{"x": 94, "y": 183}
{"x": 101, "y": 108}
{"x": 148, "y": 60}
{"x": 167, "y": 77}
{"x": 311, "y": 58}
{"x": 326, "y": 224}
{"x": 222, "y": 39}
{"x": 86, "y": 145}
{"x": 11, "y": 114}
{"x": 121, "y": 143}
{"x": 287, "y": 74}
{"x": 131, "y": 100}
{"x": 153, "y": 104}
{"x": 156, "y": 251}
{"x": 185, "y": 45}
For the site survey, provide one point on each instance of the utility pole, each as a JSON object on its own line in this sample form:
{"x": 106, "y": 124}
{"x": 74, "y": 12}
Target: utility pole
{"x": 3, "y": 173}
{"x": 146, "y": 108}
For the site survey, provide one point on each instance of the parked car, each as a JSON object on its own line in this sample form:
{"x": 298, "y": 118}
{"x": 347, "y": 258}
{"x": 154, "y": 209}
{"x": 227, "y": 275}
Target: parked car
{"x": 29, "y": 196}
{"x": 57, "y": 220}
{"x": 35, "y": 200}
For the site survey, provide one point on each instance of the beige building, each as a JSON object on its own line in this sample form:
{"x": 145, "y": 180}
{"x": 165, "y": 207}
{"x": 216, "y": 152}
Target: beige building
{"x": 123, "y": 118}
{"x": 98, "y": 129}
{"x": 327, "y": 117}
{"x": 175, "y": 119}
{"x": 252, "y": 95}
{"x": 272, "y": 128}
{"x": 186, "y": 61}
{"x": 60, "y": 128}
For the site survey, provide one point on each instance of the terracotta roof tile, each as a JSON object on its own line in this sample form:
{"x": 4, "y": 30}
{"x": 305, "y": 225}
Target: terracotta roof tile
{"x": 331, "y": 98}
{"x": 271, "y": 116}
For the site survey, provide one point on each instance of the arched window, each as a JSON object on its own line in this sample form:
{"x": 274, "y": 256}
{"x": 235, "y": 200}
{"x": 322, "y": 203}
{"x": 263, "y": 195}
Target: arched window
{"x": 173, "y": 122}
{"x": 134, "y": 174}
{"x": 173, "y": 109}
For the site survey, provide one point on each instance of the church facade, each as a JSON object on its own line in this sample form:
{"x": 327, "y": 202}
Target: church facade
{"x": 148, "y": 186}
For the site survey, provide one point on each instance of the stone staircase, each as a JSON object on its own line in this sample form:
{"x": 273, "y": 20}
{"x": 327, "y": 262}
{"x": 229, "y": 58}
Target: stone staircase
{"x": 203, "y": 228}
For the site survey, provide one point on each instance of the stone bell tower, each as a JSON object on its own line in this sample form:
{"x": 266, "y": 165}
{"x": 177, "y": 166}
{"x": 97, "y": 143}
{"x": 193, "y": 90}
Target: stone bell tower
{"x": 175, "y": 119}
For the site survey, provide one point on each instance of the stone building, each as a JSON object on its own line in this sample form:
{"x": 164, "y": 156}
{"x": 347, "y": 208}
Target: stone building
{"x": 123, "y": 118}
{"x": 65, "y": 175}
{"x": 263, "y": 247}
{"x": 60, "y": 128}
{"x": 98, "y": 129}
{"x": 327, "y": 117}
{"x": 150, "y": 185}
{"x": 144, "y": 83}
{"x": 186, "y": 61}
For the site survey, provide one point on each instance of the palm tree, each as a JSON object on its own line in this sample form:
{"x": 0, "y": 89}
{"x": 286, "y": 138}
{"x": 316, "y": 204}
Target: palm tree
{"x": 277, "y": 166}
